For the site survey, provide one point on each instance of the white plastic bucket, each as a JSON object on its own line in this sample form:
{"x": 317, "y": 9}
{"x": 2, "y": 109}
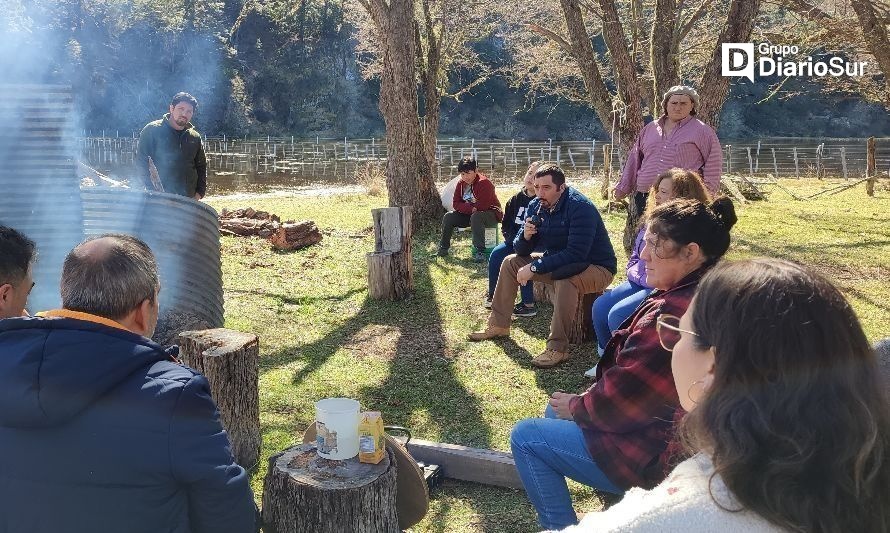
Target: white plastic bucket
{"x": 336, "y": 424}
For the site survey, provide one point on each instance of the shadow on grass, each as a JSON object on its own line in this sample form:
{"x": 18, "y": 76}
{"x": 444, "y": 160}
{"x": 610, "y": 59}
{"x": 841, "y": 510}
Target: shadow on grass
{"x": 421, "y": 377}
{"x": 301, "y": 300}
{"x": 568, "y": 376}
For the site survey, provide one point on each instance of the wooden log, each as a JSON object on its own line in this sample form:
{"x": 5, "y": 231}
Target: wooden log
{"x": 295, "y": 235}
{"x": 230, "y": 362}
{"x": 303, "y": 493}
{"x": 870, "y": 167}
{"x": 390, "y": 266}
{"x": 582, "y": 324}
{"x": 489, "y": 467}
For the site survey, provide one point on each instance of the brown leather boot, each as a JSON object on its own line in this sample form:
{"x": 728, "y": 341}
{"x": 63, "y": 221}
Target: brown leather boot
{"x": 550, "y": 358}
{"x": 490, "y": 332}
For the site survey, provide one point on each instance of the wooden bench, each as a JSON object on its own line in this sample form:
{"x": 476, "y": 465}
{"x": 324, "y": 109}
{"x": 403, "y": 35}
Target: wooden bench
{"x": 582, "y": 325}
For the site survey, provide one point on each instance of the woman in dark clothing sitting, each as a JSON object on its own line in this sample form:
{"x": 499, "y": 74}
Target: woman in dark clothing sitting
{"x": 614, "y": 436}
{"x": 514, "y": 218}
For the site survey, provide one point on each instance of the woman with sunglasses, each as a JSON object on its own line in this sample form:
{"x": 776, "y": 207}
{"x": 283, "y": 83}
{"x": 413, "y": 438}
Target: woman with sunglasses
{"x": 614, "y": 436}
{"x": 788, "y": 419}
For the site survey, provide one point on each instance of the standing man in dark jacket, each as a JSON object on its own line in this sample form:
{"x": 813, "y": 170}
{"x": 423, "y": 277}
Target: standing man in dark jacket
{"x": 578, "y": 259}
{"x": 475, "y": 205}
{"x": 176, "y": 151}
{"x": 100, "y": 429}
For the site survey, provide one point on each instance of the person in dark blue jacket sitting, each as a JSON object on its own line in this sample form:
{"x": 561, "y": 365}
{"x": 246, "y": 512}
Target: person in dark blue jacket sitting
{"x": 578, "y": 259}
{"x": 101, "y": 430}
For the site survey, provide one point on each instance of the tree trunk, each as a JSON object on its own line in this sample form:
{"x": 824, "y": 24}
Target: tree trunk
{"x": 409, "y": 177}
{"x": 663, "y": 56}
{"x": 229, "y": 360}
{"x": 303, "y": 493}
{"x": 714, "y": 87}
{"x": 875, "y": 33}
{"x": 431, "y": 75}
{"x": 627, "y": 114}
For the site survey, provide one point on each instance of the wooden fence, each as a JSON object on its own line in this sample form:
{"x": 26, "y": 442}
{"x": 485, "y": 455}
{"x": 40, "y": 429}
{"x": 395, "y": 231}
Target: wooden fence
{"x": 781, "y": 157}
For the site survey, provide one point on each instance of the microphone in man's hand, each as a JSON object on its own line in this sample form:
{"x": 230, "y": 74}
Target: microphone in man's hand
{"x": 536, "y": 218}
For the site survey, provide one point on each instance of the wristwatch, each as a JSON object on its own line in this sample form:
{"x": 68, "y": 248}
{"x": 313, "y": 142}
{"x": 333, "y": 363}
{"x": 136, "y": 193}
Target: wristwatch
{"x": 533, "y": 268}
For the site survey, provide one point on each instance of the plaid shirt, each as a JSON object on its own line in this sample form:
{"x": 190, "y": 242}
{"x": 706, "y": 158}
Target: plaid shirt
{"x": 627, "y": 414}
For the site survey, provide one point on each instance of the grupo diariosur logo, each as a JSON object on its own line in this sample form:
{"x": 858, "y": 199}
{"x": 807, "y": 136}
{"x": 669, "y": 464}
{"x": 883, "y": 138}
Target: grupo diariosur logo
{"x": 783, "y": 60}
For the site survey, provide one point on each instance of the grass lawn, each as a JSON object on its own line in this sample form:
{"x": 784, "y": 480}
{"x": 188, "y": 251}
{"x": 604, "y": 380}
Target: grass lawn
{"x": 321, "y": 336}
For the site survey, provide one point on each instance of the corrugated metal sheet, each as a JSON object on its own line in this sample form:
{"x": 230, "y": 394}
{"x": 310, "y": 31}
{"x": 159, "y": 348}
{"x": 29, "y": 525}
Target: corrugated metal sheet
{"x": 184, "y": 235}
{"x": 39, "y": 190}
{"x": 41, "y": 196}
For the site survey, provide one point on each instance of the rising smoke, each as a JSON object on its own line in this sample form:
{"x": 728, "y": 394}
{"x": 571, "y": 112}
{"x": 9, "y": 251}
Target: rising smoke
{"x": 68, "y": 67}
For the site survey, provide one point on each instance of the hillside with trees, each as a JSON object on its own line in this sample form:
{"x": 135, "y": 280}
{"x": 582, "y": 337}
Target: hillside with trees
{"x": 308, "y": 67}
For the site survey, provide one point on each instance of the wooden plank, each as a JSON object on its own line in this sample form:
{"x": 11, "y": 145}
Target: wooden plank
{"x": 478, "y": 465}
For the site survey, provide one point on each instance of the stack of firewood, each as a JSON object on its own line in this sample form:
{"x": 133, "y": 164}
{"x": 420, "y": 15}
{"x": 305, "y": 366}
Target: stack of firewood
{"x": 289, "y": 235}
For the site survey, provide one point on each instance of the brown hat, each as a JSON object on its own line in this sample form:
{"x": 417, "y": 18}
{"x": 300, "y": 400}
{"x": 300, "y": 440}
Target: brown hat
{"x": 412, "y": 494}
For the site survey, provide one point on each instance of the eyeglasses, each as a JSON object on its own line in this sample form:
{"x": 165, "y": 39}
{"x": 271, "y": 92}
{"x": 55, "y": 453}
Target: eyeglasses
{"x": 657, "y": 247}
{"x": 668, "y": 328}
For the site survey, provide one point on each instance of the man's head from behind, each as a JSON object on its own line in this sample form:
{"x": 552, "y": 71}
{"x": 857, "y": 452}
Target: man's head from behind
{"x": 16, "y": 256}
{"x": 182, "y": 109}
{"x": 114, "y": 276}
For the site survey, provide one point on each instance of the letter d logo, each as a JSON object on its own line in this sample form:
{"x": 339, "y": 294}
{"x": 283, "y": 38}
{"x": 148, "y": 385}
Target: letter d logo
{"x": 738, "y": 60}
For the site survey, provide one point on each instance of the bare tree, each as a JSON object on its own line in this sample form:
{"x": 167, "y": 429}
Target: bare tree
{"x": 409, "y": 177}
{"x": 596, "y": 48}
{"x": 824, "y": 25}
{"x": 415, "y": 48}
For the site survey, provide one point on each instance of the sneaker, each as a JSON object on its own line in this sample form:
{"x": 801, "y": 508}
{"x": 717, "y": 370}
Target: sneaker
{"x": 549, "y": 358}
{"x": 442, "y": 252}
{"x": 487, "y": 302}
{"x": 525, "y": 311}
{"x": 591, "y": 373}
{"x": 479, "y": 256}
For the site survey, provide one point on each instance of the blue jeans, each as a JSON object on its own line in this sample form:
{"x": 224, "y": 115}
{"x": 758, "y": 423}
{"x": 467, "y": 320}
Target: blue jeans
{"x": 497, "y": 256}
{"x": 546, "y": 451}
{"x": 614, "y": 307}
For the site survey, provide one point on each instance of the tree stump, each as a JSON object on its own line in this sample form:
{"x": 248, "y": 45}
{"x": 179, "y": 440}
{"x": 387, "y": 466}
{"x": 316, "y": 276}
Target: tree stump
{"x": 390, "y": 267}
{"x": 582, "y": 324}
{"x": 229, "y": 360}
{"x": 304, "y": 493}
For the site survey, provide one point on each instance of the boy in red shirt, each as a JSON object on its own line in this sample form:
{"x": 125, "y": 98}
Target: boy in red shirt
{"x": 476, "y": 205}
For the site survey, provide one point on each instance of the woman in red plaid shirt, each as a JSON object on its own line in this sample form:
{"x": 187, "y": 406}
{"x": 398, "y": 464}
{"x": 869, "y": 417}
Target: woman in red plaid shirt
{"x": 614, "y": 436}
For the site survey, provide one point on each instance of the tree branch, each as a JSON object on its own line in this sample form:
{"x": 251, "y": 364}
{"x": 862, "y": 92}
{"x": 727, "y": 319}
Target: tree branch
{"x": 592, "y": 9}
{"x": 483, "y": 77}
{"x": 699, "y": 13}
{"x": 561, "y": 41}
